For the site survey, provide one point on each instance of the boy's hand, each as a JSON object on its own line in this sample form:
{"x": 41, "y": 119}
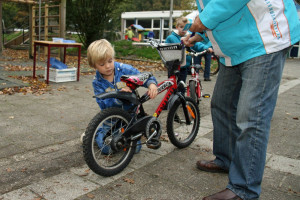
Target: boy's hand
{"x": 126, "y": 89}
{"x": 152, "y": 91}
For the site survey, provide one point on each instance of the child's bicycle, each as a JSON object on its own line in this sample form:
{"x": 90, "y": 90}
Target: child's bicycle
{"x": 194, "y": 87}
{"x": 120, "y": 130}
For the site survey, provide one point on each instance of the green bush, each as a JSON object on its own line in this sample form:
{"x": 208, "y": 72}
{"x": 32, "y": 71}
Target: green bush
{"x": 124, "y": 48}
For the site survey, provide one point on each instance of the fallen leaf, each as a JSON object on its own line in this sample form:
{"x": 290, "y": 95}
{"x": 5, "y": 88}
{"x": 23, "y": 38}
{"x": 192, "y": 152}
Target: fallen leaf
{"x": 91, "y": 196}
{"x": 128, "y": 180}
{"x": 9, "y": 170}
{"x": 23, "y": 170}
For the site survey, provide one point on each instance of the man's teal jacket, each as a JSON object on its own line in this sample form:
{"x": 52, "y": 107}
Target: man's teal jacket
{"x": 243, "y": 29}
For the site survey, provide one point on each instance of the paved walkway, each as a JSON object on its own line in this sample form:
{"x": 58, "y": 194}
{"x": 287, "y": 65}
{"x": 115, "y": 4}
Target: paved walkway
{"x": 41, "y": 156}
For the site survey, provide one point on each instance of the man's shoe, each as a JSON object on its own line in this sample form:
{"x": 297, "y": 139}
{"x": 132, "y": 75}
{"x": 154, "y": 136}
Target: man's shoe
{"x": 210, "y": 166}
{"x": 223, "y": 195}
{"x": 207, "y": 79}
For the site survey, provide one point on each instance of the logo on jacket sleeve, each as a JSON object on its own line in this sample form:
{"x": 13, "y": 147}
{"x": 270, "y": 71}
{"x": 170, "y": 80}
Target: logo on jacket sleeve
{"x": 274, "y": 24}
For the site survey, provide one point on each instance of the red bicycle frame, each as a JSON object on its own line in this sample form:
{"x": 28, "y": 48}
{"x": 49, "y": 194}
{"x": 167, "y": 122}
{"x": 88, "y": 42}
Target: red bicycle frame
{"x": 171, "y": 86}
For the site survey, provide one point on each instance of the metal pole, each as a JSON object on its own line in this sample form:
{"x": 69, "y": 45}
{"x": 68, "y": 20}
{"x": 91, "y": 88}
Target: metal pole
{"x": 171, "y": 18}
{"x": 40, "y": 13}
{"x": 1, "y": 29}
{"x": 160, "y": 30}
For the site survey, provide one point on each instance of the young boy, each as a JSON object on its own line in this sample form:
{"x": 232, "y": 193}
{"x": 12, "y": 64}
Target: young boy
{"x": 100, "y": 56}
{"x": 205, "y": 44}
{"x": 175, "y": 37}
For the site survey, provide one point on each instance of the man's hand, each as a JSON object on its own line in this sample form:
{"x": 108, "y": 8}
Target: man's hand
{"x": 152, "y": 91}
{"x": 210, "y": 50}
{"x": 190, "y": 41}
{"x": 197, "y": 26}
{"x": 126, "y": 89}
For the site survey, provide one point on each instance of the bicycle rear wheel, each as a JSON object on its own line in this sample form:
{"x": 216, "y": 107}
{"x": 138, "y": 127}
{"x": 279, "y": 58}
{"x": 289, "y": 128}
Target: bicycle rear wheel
{"x": 181, "y": 134}
{"x": 106, "y": 151}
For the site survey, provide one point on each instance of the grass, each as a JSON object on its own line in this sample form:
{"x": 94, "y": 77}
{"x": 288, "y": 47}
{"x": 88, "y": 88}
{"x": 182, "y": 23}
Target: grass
{"x": 124, "y": 48}
{"x": 8, "y": 37}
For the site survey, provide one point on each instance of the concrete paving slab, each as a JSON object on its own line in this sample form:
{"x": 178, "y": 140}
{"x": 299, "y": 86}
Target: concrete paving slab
{"x": 21, "y": 194}
{"x": 166, "y": 147}
{"x": 63, "y": 186}
{"x": 203, "y": 130}
{"x": 202, "y": 143}
{"x": 85, "y": 172}
{"x": 284, "y": 164}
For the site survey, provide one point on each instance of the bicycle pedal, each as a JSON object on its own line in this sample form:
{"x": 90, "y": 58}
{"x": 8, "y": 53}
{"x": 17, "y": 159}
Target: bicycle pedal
{"x": 206, "y": 96}
{"x": 154, "y": 144}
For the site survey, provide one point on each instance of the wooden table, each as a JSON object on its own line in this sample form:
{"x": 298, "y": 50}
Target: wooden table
{"x": 50, "y": 44}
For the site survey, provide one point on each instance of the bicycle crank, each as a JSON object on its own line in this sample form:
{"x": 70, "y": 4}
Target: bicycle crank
{"x": 152, "y": 133}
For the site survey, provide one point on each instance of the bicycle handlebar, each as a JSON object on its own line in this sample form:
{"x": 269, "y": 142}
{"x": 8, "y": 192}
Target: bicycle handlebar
{"x": 192, "y": 52}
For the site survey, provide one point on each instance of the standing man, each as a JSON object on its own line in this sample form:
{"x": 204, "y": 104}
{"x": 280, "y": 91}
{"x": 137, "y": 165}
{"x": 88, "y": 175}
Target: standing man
{"x": 252, "y": 38}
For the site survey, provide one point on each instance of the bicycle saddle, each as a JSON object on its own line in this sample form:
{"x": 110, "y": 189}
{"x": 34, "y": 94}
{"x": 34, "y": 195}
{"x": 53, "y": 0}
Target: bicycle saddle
{"x": 138, "y": 79}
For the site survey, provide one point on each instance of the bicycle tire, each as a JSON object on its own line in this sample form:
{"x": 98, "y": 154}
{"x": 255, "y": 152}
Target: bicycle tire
{"x": 180, "y": 134}
{"x": 111, "y": 162}
{"x": 193, "y": 93}
{"x": 215, "y": 65}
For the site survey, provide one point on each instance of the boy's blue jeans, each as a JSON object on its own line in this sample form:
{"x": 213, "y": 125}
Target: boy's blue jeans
{"x": 101, "y": 133}
{"x": 207, "y": 58}
{"x": 242, "y": 106}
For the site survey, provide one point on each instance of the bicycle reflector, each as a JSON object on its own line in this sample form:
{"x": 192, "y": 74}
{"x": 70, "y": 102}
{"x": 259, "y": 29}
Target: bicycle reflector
{"x": 190, "y": 111}
{"x": 130, "y": 85}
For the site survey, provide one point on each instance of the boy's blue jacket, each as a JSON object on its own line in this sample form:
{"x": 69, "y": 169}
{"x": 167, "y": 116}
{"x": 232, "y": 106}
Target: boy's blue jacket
{"x": 101, "y": 85}
{"x": 199, "y": 46}
{"x": 203, "y": 45}
{"x": 243, "y": 29}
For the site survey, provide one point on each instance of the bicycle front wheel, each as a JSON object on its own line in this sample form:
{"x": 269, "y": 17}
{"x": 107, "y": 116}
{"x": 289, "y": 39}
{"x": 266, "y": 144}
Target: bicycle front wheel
{"x": 193, "y": 93}
{"x": 179, "y": 132}
{"x": 215, "y": 65}
{"x": 106, "y": 151}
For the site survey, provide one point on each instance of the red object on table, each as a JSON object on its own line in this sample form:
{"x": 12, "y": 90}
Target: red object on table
{"x": 50, "y": 44}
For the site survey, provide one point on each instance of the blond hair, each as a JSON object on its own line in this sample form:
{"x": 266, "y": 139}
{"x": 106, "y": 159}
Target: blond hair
{"x": 181, "y": 20}
{"x": 99, "y": 50}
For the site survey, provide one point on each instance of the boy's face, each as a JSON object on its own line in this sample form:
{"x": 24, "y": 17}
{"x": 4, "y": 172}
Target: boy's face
{"x": 180, "y": 27}
{"x": 106, "y": 67}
